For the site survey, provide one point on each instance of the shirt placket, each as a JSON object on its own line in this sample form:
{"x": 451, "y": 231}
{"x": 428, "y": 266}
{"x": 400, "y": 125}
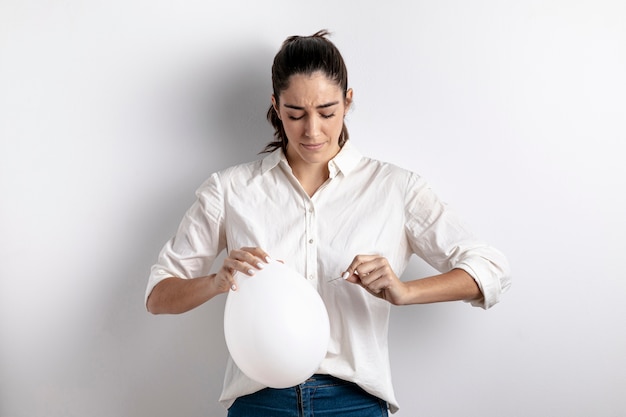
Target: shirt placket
{"x": 311, "y": 242}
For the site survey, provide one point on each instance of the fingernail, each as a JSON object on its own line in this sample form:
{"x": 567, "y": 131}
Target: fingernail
{"x": 259, "y": 265}
{"x": 250, "y": 271}
{"x": 268, "y": 259}
{"x": 345, "y": 275}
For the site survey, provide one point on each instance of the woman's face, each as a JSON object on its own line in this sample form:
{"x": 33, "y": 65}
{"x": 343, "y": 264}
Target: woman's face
{"x": 312, "y": 111}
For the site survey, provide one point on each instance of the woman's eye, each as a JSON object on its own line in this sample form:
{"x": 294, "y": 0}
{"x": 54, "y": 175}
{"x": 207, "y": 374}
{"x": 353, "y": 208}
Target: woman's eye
{"x": 323, "y": 116}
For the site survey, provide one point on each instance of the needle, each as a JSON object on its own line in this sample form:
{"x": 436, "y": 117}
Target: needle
{"x": 345, "y": 275}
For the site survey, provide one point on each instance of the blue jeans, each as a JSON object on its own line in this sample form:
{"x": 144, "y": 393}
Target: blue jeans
{"x": 318, "y": 396}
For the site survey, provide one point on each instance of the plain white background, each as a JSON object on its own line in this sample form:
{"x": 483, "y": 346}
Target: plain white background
{"x": 113, "y": 112}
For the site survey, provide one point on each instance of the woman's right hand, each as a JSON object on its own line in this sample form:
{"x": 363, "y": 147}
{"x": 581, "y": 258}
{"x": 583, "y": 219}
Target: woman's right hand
{"x": 245, "y": 260}
{"x": 175, "y": 295}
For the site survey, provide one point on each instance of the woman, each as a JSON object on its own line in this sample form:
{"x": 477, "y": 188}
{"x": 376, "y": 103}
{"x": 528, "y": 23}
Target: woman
{"x": 317, "y": 204}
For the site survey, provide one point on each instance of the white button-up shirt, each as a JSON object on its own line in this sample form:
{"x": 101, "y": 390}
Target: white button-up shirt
{"x": 365, "y": 207}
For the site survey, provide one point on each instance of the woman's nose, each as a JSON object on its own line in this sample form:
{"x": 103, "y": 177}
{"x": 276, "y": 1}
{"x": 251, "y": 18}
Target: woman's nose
{"x": 312, "y": 127}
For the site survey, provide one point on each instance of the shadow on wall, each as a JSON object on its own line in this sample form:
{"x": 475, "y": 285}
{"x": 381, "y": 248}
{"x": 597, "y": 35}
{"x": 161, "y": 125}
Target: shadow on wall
{"x": 174, "y": 365}
{"x": 221, "y": 106}
{"x": 226, "y": 104}
{"x": 243, "y": 93}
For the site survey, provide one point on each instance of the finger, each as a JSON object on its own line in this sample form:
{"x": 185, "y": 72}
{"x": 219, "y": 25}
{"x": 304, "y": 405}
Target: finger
{"x": 353, "y": 278}
{"x": 365, "y": 281}
{"x": 231, "y": 280}
{"x": 377, "y": 284}
{"x": 238, "y": 265}
{"x": 357, "y": 266}
{"x": 376, "y": 292}
{"x": 369, "y": 271}
{"x": 259, "y": 253}
{"x": 225, "y": 279}
{"x": 256, "y": 257}
{"x": 371, "y": 279}
{"x": 244, "y": 261}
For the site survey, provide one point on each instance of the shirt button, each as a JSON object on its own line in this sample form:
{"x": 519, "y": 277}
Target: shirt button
{"x": 310, "y": 209}
{"x": 310, "y": 276}
{"x": 310, "y": 240}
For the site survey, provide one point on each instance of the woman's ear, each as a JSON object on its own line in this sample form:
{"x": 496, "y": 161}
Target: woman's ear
{"x": 275, "y": 105}
{"x": 349, "y": 95}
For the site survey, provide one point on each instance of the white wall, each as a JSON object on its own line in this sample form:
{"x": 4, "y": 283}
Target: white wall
{"x": 113, "y": 112}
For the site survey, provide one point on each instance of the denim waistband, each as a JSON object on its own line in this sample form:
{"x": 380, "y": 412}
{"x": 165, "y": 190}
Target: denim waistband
{"x": 317, "y": 380}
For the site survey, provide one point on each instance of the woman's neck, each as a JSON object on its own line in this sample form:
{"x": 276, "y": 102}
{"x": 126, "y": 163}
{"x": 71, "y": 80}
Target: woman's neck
{"x": 310, "y": 176}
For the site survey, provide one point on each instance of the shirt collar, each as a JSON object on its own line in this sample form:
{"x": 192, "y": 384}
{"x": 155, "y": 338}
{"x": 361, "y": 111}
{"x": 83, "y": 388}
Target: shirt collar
{"x": 345, "y": 161}
{"x": 272, "y": 160}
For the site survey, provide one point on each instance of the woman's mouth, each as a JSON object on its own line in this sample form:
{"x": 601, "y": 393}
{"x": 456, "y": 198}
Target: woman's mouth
{"x": 312, "y": 146}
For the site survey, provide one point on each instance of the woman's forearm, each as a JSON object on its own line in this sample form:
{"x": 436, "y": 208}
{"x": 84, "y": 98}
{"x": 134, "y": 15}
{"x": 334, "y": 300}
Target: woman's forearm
{"x": 455, "y": 285}
{"x": 178, "y": 295}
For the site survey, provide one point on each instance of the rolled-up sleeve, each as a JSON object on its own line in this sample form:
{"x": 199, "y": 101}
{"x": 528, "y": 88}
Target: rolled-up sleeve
{"x": 437, "y": 235}
{"x": 199, "y": 239}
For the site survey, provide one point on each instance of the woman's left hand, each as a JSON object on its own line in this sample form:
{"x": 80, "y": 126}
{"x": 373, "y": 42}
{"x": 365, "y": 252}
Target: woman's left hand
{"x": 374, "y": 273}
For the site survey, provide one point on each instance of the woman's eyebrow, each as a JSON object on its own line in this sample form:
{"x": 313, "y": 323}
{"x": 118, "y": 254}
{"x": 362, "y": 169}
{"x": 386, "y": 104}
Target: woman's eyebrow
{"x": 321, "y": 106}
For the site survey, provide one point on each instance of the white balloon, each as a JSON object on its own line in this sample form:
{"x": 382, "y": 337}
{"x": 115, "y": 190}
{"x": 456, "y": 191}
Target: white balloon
{"x": 276, "y": 326}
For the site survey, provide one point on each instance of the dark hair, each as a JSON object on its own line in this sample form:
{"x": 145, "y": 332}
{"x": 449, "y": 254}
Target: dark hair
{"x": 304, "y": 55}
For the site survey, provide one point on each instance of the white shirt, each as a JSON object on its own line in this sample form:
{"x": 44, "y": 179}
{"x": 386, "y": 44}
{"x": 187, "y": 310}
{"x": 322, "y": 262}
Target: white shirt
{"x": 365, "y": 207}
